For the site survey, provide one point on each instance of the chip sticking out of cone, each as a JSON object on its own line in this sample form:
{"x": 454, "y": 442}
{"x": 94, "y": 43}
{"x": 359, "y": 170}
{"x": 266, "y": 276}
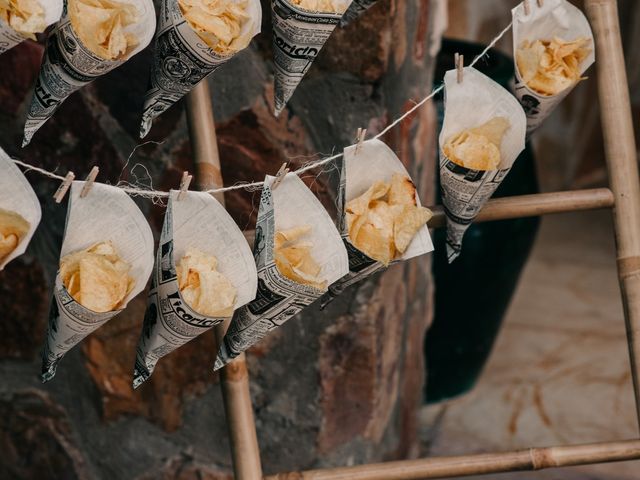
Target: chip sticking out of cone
{"x": 23, "y": 19}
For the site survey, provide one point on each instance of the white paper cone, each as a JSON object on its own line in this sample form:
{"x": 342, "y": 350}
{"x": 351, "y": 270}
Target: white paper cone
{"x": 181, "y": 59}
{"x": 197, "y": 221}
{"x": 355, "y": 10}
{"x": 68, "y": 65}
{"x": 16, "y": 195}
{"x": 278, "y": 299}
{"x": 298, "y": 37}
{"x": 9, "y": 38}
{"x": 105, "y": 214}
{"x": 470, "y": 104}
{"x": 361, "y": 167}
{"x": 556, "y": 18}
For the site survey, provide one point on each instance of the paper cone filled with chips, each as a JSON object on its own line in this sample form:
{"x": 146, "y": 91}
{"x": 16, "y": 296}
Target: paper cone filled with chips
{"x": 298, "y": 252}
{"x": 105, "y": 261}
{"x": 19, "y": 211}
{"x": 22, "y": 19}
{"x": 482, "y": 135}
{"x": 553, "y": 47}
{"x": 204, "y": 270}
{"x": 93, "y": 38}
{"x": 300, "y": 29}
{"x": 194, "y": 38}
{"x": 355, "y": 10}
{"x": 381, "y": 219}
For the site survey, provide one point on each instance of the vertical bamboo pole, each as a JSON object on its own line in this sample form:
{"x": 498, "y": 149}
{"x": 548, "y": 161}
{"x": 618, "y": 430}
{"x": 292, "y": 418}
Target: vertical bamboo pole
{"x": 234, "y": 378}
{"x": 620, "y": 149}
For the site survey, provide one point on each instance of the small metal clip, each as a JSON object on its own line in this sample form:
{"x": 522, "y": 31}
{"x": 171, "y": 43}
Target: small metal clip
{"x": 88, "y": 183}
{"x": 64, "y": 186}
{"x": 184, "y": 184}
{"x": 280, "y": 176}
{"x": 459, "y": 61}
{"x": 362, "y": 132}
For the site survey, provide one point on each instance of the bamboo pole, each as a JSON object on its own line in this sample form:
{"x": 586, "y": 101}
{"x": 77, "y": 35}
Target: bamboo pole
{"x": 234, "y": 378}
{"x": 621, "y": 155}
{"x": 482, "y": 464}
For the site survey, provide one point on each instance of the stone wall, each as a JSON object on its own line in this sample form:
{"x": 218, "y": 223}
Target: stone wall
{"x": 569, "y": 148}
{"x": 333, "y": 387}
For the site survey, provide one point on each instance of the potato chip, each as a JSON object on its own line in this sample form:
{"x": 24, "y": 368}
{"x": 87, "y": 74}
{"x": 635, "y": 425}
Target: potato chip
{"x": 478, "y": 148}
{"x": 382, "y": 221}
{"x": 97, "y": 278}
{"x": 100, "y": 25}
{"x": 220, "y": 23}
{"x": 549, "y": 67}
{"x": 202, "y": 287}
{"x": 294, "y": 260}
{"x": 12, "y": 229}
{"x": 325, "y": 6}
{"x": 24, "y": 16}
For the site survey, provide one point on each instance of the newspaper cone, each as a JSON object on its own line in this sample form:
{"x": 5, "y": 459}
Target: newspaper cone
{"x": 298, "y": 37}
{"x": 9, "y": 38}
{"x": 556, "y": 18}
{"x": 470, "y": 104}
{"x": 17, "y": 196}
{"x": 360, "y": 167}
{"x": 357, "y": 8}
{"x": 68, "y": 65}
{"x": 106, "y": 213}
{"x": 278, "y": 299}
{"x": 181, "y": 59}
{"x": 196, "y": 221}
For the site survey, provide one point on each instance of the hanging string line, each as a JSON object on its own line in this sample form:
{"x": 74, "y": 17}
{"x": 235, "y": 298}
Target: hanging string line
{"x": 133, "y": 191}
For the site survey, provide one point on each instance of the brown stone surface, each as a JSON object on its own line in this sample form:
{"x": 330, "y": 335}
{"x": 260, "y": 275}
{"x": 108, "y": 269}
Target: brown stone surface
{"x": 36, "y": 439}
{"x": 24, "y": 300}
{"x": 185, "y": 467}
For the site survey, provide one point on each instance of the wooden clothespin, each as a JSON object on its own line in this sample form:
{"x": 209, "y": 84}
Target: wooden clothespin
{"x": 540, "y": 3}
{"x": 64, "y": 186}
{"x": 527, "y": 7}
{"x": 362, "y": 132}
{"x": 459, "y": 61}
{"x": 184, "y": 184}
{"x": 88, "y": 183}
{"x": 280, "y": 176}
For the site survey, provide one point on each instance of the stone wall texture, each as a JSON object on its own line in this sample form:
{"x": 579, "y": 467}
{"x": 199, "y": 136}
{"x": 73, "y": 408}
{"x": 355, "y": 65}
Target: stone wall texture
{"x": 336, "y": 387}
{"x": 569, "y": 146}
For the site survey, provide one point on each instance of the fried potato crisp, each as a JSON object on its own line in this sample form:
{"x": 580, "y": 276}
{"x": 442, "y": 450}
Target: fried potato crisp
{"x": 219, "y": 23}
{"x": 383, "y": 220}
{"x": 326, "y": 6}
{"x": 478, "y": 148}
{"x": 549, "y": 67}
{"x": 205, "y": 289}
{"x": 97, "y": 278}
{"x": 24, "y": 16}
{"x": 294, "y": 260}
{"x": 12, "y": 229}
{"x": 100, "y": 24}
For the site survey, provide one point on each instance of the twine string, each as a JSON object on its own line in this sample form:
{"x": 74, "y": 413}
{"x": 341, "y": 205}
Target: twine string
{"x": 150, "y": 193}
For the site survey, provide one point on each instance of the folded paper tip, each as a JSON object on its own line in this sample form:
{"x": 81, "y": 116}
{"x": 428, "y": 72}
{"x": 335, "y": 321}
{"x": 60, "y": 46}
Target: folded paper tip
{"x": 219, "y": 363}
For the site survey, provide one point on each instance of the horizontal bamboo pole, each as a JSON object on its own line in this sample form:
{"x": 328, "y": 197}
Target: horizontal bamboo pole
{"x": 535, "y": 204}
{"x": 482, "y": 464}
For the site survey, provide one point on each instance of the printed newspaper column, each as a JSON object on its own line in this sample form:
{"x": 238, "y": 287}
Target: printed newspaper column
{"x": 357, "y": 8}
{"x": 69, "y": 64}
{"x": 469, "y": 106}
{"x": 298, "y": 36}
{"x": 198, "y": 222}
{"x": 360, "y": 167}
{"x": 46, "y": 12}
{"x": 19, "y": 211}
{"x": 182, "y": 58}
{"x": 554, "y": 19}
{"x": 290, "y": 205}
{"x": 106, "y": 214}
